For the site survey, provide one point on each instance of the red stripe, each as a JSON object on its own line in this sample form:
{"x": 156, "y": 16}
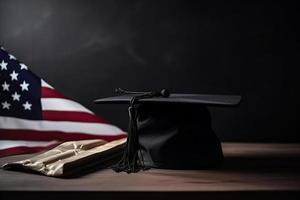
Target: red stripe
{"x": 72, "y": 116}
{"x": 51, "y": 93}
{"x": 23, "y": 150}
{"x": 66, "y": 115}
{"x": 52, "y": 135}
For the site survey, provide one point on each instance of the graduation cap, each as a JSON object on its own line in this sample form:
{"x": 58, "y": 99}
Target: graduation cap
{"x": 171, "y": 131}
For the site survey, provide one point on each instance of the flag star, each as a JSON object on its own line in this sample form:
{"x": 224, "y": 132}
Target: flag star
{"x": 24, "y": 86}
{"x": 27, "y": 106}
{"x": 3, "y": 65}
{"x": 16, "y": 96}
{"x": 5, "y": 86}
{"x": 12, "y": 57}
{"x": 5, "y": 105}
{"x": 14, "y": 76}
{"x": 23, "y": 66}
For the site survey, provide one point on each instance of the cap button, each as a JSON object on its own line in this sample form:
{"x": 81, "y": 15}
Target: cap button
{"x": 165, "y": 93}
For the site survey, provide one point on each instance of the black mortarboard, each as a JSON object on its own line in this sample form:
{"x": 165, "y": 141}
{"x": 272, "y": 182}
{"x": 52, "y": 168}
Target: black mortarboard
{"x": 170, "y": 130}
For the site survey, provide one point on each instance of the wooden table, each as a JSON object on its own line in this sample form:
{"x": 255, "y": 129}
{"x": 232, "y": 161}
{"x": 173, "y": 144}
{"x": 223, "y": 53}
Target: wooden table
{"x": 249, "y": 171}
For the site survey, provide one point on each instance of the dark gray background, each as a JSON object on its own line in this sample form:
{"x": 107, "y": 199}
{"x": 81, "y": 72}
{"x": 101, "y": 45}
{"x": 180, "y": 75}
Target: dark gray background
{"x": 87, "y": 48}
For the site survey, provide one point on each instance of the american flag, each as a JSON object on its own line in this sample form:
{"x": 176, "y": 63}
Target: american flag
{"x": 34, "y": 116}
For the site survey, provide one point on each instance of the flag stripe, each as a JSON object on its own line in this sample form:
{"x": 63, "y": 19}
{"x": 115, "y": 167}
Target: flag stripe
{"x": 50, "y": 135}
{"x": 72, "y": 116}
{"x": 51, "y": 93}
{"x": 4, "y": 144}
{"x": 45, "y": 84}
{"x": 62, "y": 105}
{"x": 44, "y": 125}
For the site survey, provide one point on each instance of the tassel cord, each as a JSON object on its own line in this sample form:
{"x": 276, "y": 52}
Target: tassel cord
{"x": 131, "y": 161}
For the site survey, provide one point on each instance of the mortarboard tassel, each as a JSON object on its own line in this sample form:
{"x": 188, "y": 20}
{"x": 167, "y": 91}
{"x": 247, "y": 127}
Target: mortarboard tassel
{"x": 130, "y": 161}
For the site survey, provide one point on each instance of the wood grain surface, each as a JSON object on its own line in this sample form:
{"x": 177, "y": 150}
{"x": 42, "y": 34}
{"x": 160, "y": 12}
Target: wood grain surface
{"x": 248, "y": 167}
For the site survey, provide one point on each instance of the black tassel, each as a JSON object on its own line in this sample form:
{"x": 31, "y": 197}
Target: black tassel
{"x": 131, "y": 162}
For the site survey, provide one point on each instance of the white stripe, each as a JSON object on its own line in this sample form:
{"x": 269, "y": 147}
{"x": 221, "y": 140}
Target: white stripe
{"x": 4, "y": 144}
{"x": 72, "y": 127}
{"x": 57, "y": 104}
{"x": 44, "y": 84}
